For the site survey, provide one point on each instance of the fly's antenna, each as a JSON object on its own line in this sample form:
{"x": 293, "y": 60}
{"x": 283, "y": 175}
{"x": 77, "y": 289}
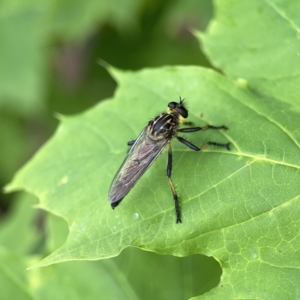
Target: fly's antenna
{"x": 180, "y": 99}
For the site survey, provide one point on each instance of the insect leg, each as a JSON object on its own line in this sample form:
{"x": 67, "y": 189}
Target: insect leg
{"x": 186, "y": 130}
{"x": 169, "y": 171}
{"x": 188, "y": 123}
{"x": 130, "y": 143}
{"x": 192, "y": 146}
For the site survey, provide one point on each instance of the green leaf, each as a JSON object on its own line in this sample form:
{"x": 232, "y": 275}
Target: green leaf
{"x": 80, "y": 169}
{"x": 14, "y": 282}
{"x": 19, "y": 231}
{"x": 237, "y": 206}
{"x": 244, "y": 33}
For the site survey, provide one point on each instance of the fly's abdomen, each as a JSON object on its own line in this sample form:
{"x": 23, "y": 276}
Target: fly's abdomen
{"x": 124, "y": 181}
{"x": 140, "y": 157}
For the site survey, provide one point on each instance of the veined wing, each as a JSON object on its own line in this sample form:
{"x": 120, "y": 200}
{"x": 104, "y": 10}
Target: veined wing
{"x": 140, "y": 157}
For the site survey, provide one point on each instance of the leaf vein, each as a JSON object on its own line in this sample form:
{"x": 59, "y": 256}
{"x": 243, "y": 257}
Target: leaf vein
{"x": 283, "y": 16}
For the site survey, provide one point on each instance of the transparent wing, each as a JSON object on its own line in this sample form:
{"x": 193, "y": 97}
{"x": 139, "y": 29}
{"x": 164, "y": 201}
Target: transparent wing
{"x": 140, "y": 157}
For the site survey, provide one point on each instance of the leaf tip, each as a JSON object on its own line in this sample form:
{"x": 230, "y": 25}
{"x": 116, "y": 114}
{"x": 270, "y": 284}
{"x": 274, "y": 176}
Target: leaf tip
{"x": 103, "y": 63}
{"x": 58, "y": 116}
{"x": 8, "y": 188}
{"x": 114, "y": 72}
{"x": 197, "y": 33}
{"x": 30, "y": 268}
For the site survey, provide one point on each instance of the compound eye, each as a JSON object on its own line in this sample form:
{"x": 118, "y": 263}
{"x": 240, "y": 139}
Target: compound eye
{"x": 182, "y": 111}
{"x": 172, "y": 105}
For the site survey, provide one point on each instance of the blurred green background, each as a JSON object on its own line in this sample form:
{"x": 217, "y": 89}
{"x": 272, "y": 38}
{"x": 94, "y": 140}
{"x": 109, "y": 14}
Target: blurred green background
{"x": 48, "y": 65}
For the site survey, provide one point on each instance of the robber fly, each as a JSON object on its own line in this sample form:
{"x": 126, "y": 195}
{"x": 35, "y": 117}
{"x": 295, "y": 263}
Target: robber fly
{"x": 147, "y": 147}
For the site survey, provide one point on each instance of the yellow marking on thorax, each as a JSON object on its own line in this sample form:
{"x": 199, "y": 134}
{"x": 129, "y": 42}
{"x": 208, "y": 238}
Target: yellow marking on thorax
{"x": 181, "y": 118}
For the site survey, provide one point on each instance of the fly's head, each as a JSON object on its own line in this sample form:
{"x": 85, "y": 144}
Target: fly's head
{"x": 178, "y": 108}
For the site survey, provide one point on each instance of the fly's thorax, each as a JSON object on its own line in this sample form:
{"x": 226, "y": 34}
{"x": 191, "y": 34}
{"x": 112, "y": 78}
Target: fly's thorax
{"x": 163, "y": 127}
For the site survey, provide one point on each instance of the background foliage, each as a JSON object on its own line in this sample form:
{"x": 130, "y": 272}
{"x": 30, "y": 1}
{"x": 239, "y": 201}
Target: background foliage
{"x": 240, "y": 207}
